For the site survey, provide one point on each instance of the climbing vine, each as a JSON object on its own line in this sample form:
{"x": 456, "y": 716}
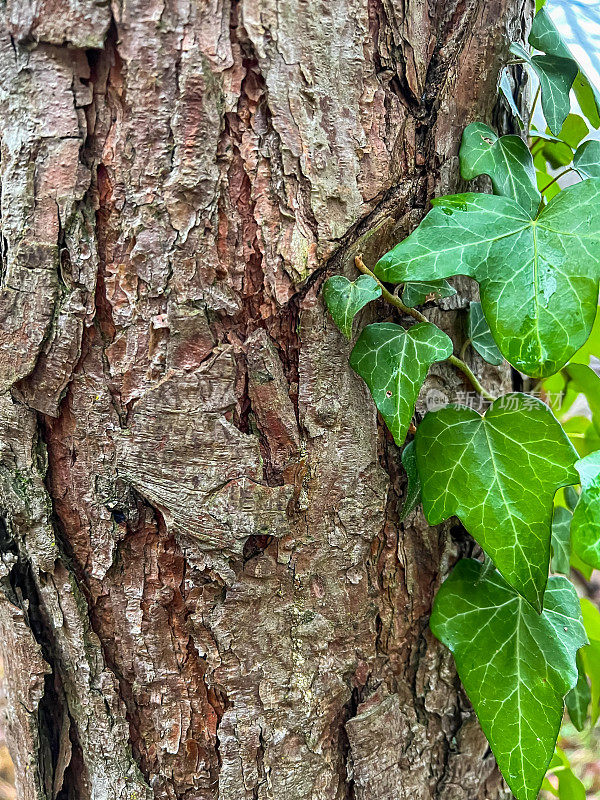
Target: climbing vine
{"x": 525, "y": 486}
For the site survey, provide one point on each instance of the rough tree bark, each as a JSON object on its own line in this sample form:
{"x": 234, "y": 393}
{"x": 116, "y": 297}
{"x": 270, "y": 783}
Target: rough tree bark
{"x": 207, "y": 592}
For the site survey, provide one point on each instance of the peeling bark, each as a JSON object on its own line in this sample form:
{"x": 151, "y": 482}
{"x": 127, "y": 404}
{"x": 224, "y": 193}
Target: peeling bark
{"x": 207, "y": 591}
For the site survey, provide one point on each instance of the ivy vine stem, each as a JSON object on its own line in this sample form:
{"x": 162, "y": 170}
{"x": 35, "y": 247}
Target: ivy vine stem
{"x": 557, "y": 177}
{"x": 466, "y": 370}
{"x": 395, "y": 301}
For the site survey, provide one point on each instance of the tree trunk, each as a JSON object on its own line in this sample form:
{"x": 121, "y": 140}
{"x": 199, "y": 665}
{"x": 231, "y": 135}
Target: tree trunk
{"x": 207, "y": 589}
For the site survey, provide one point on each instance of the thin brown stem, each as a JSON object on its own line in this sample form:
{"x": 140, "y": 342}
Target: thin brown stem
{"x": 395, "y": 301}
{"x": 558, "y": 177}
{"x": 388, "y": 296}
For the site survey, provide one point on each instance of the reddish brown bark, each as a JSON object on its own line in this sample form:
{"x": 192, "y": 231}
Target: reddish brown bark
{"x": 208, "y": 592}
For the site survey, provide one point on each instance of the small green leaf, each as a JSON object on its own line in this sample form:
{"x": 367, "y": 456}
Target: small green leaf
{"x": 577, "y": 429}
{"x": 516, "y": 665}
{"x": 556, "y": 76}
{"x": 585, "y": 527}
{"x": 545, "y": 36}
{"x": 506, "y": 159}
{"x": 588, "y": 99}
{"x": 498, "y": 474}
{"x": 561, "y": 540}
{"x": 415, "y": 294}
{"x": 583, "y": 380}
{"x": 538, "y": 278}
{"x": 413, "y": 489}
{"x": 393, "y": 363}
{"x": 579, "y": 27}
{"x": 573, "y": 130}
{"x": 587, "y": 159}
{"x": 569, "y": 785}
{"x": 481, "y": 337}
{"x": 591, "y": 653}
{"x": 560, "y": 153}
{"x": 578, "y": 699}
{"x": 345, "y": 299}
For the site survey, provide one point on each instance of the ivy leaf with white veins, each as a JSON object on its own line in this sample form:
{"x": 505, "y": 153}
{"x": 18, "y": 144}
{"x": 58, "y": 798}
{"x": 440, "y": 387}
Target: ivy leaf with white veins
{"x": 393, "y": 362}
{"x": 506, "y": 159}
{"x": 556, "y": 76}
{"x": 587, "y": 159}
{"x": 538, "y": 278}
{"x": 545, "y": 36}
{"x": 415, "y": 294}
{"x": 516, "y": 665}
{"x": 481, "y": 337}
{"x": 499, "y": 474}
{"x": 585, "y": 526}
{"x": 345, "y": 299}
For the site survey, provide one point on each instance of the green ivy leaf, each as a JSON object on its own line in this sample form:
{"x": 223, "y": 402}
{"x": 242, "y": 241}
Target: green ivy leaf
{"x": 588, "y": 98}
{"x": 556, "y": 76}
{"x": 545, "y": 36}
{"x": 345, "y": 299}
{"x": 413, "y": 489}
{"x": 498, "y": 474}
{"x": 591, "y": 653}
{"x": 578, "y": 699}
{"x": 393, "y": 362}
{"x": 583, "y": 380}
{"x": 538, "y": 278}
{"x": 481, "y": 337}
{"x": 576, "y": 429}
{"x": 587, "y": 159}
{"x": 560, "y": 153}
{"x": 561, "y": 540}
{"x": 415, "y": 294}
{"x": 569, "y": 785}
{"x": 585, "y": 527}
{"x": 507, "y": 161}
{"x": 516, "y": 665}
